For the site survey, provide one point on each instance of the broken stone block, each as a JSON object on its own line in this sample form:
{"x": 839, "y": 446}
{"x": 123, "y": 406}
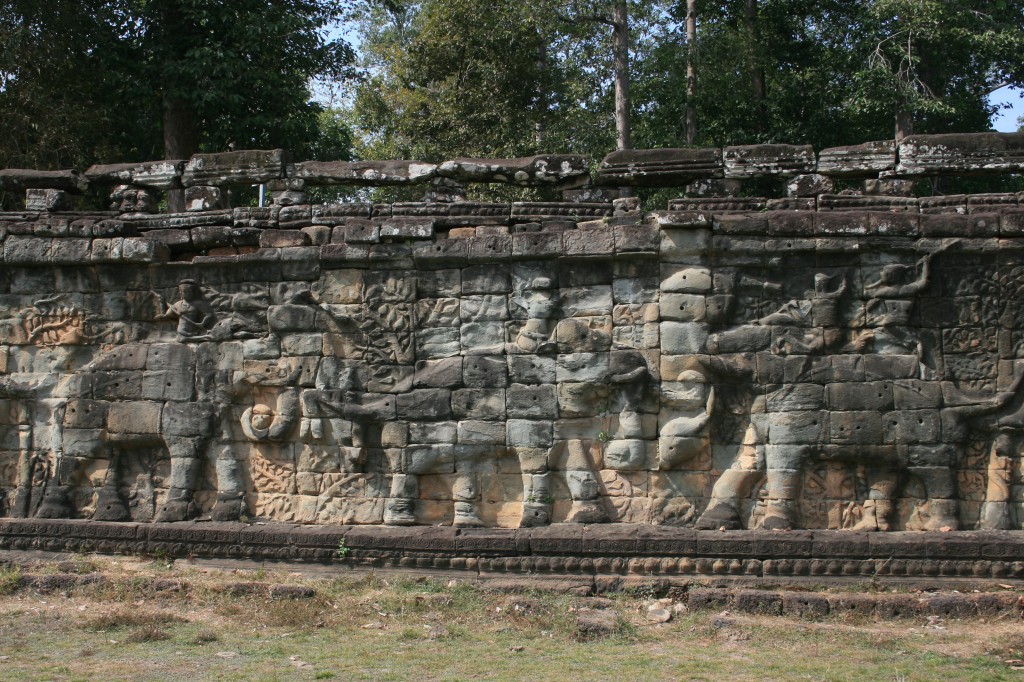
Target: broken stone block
{"x": 714, "y": 188}
{"x": 48, "y": 200}
{"x": 967, "y": 153}
{"x": 658, "y": 167}
{"x": 870, "y": 158}
{"x": 249, "y": 167}
{"x": 757, "y": 160}
{"x": 160, "y": 175}
{"x": 363, "y": 172}
{"x": 889, "y": 188}
{"x": 590, "y": 195}
{"x": 547, "y": 169}
{"x": 809, "y": 185}
{"x": 205, "y": 198}
{"x": 17, "y": 179}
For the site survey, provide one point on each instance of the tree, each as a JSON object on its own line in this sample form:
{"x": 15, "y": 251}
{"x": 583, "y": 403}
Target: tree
{"x": 144, "y": 78}
{"x": 935, "y": 62}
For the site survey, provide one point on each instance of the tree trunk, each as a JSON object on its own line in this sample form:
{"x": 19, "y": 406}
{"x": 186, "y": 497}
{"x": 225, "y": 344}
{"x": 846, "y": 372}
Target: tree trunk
{"x": 620, "y": 41}
{"x": 181, "y": 141}
{"x": 691, "y": 74}
{"x": 180, "y": 129}
{"x": 904, "y": 124}
{"x": 542, "y": 95}
{"x": 756, "y": 69}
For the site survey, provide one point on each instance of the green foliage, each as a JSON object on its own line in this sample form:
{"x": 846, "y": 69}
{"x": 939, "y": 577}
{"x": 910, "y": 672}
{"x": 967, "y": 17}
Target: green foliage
{"x": 342, "y": 551}
{"x": 83, "y": 81}
{"x": 468, "y": 77}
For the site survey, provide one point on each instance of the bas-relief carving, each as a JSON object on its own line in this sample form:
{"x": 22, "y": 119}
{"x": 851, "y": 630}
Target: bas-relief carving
{"x": 405, "y": 397}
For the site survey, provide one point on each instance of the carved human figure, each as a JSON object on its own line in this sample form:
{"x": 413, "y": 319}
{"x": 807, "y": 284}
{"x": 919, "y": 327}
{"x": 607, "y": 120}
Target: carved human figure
{"x": 817, "y": 308}
{"x": 194, "y": 313}
{"x": 540, "y": 302}
{"x": 890, "y": 303}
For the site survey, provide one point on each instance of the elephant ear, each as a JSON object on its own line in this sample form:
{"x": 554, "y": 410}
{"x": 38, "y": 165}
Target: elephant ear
{"x": 287, "y": 415}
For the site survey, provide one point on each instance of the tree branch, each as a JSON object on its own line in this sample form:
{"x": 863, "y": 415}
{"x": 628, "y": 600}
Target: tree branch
{"x": 596, "y": 18}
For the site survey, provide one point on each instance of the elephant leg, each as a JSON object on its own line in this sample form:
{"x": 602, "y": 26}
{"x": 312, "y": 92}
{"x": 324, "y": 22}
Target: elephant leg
{"x": 466, "y": 491}
{"x": 186, "y": 465}
{"x": 584, "y": 488}
{"x": 537, "y": 500}
{"x": 230, "y": 504}
{"x": 401, "y": 506}
{"x": 56, "y": 502}
{"x": 537, "y": 497}
{"x": 730, "y": 489}
{"x": 943, "y": 509}
{"x": 734, "y": 485}
{"x": 879, "y": 506}
{"x": 466, "y": 496}
{"x": 110, "y": 506}
{"x": 785, "y": 470}
{"x": 996, "y": 512}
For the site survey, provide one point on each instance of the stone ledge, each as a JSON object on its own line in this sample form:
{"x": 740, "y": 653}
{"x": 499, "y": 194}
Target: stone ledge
{"x": 560, "y": 549}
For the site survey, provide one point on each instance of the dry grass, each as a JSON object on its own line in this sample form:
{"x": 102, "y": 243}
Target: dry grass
{"x": 148, "y": 621}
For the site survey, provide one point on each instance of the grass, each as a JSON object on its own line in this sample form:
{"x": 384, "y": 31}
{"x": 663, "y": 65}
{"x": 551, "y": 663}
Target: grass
{"x": 382, "y": 628}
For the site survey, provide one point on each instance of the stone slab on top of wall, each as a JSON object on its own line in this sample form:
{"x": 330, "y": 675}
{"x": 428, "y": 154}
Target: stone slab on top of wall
{"x": 161, "y": 175}
{"x": 234, "y": 168}
{"x": 966, "y": 153}
{"x": 659, "y": 167}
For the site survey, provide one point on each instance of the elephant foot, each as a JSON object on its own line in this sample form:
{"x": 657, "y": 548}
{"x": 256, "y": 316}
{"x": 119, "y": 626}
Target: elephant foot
{"x": 883, "y": 514}
{"x": 586, "y": 511}
{"x": 778, "y": 516}
{"x": 868, "y": 521}
{"x": 56, "y": 504}
{"x": 721, "y": 515}
{"x": 942, "y": 516}
{"x": 172, "y": 511}
{"x": 995, "y": 516}
{"x": 535, "y": 514}
{"x": 229, "y": 507}
{"x": 399, "y": 512}
{"x": 466, "y": 516}
{"x": 110, "y": 506}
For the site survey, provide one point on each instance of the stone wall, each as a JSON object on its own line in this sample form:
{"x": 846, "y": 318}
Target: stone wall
{"x": 821, "y": 361}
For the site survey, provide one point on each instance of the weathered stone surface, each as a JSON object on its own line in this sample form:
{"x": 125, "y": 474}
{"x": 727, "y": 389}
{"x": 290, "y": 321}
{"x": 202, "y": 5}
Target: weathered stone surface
{"x": 861, "y": 160}
{"x": 768, "y": 159}
{"x": 659, "y": 167}
{"x": 842, "y": 362}
{"x": 18, "y": 180}
{"x": 529, "y": 171}
{"x": 363, "y": 172}
{"x": 47, "y": 200}
{"x": 234, "y": 168}
{"x": 162, "y": 175}
{"x": 974, "y": 153}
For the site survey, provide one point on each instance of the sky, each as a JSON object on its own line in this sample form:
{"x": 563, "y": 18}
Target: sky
{"x": 1006, "y": 121}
